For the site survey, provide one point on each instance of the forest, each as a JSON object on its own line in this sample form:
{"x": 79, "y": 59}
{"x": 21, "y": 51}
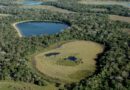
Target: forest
{"x": 113, "y": 65}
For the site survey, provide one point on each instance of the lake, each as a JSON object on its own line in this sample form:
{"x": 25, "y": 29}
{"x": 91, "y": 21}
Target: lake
{"x": 33, "y": 28}
{"x": 31, "y": 2}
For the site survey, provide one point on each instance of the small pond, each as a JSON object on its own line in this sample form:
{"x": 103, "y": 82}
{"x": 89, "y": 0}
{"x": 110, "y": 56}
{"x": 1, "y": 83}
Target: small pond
{"x": 71, "y": 58}
{"x": 33, "y": 28}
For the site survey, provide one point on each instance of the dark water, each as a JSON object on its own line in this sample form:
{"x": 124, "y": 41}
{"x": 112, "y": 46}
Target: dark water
{"x": 52, "y": 54}
{"x": 72, "y": 58}
{"x": 37, "y": 28}
{"x": 31, "y": 2}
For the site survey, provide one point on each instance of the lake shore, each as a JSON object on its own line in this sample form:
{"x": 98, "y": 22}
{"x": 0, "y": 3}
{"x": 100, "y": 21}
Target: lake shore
{"x": 17, "y": 29}
{"x": 46, "y": 21}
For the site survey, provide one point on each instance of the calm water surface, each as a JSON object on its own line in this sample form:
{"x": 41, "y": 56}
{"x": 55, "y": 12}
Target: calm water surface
{"x": 38, "y": 28}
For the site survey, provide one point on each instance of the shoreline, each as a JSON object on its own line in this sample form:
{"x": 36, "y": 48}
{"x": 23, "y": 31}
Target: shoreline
{"x": 17, "y": 29}
{"x": 19, "y": 32}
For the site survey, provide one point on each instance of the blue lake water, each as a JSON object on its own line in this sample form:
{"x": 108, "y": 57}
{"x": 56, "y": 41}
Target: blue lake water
{"x": 31, "y": 2}
{"x": 129, "y": 4}
{"x": 37, "y": 28}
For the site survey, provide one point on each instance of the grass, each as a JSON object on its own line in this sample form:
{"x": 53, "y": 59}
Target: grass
{"x": 46, "y": 7}
{"x": 126, "y": 30}
{"x": 11, "y": 85}
{"x": 50, "y": 84}
{"x": 86, "y": 50}
{"x": 122, "y": 19}
{"x": 103, "y": 2}
{"x": 64, "y": 62}
{"x": 78, "y": 74}
{"x": 119, "y": 18}
{"x": 4, "y": 15}
{"x": 98, "y": 9}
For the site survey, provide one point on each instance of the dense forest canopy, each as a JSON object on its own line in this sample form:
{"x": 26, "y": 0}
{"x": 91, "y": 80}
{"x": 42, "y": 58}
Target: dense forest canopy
{"x": 113, "y": 65}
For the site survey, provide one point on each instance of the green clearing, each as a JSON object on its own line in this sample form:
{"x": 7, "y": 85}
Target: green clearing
{"x": 65, "y": 62}
{"x": 47, "y": 7}
{"x": 11, "y": 85}
{"x": 122, "y": 19}
{"x": 4, "y": 15}
{"x": 85, "y": 50}
{"x": 126, "y": 30}
{"x": 104, "y": 2}
{"x": 108, "y": 2}
{"x": 119, "y": 18}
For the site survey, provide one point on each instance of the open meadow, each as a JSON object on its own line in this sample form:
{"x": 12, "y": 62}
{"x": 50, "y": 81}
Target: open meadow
{"x": 47, "y": 7}
{"x": 105, "y": 2}
{"x": 121, "y": 19}
{"x": 11, "y": 85}
{"x": 58, "y": 67}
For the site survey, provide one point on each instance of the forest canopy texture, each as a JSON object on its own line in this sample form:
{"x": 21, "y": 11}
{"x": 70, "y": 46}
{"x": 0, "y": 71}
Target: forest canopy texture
{"x": 113, "y": 65}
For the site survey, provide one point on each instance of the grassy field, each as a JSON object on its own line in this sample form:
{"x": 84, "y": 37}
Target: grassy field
{"x": 85, "y": 50}
{"x": 107, "y": 2}
{"x": 4, "y": 15}
{"x": 46, "y": 7}
{"x": 127, "y": 30}
{"x": 99, "y": 9}
{"x": 11, "y": 85}
{"x": 119, "y": 18}
{"x": 122, "y": 19}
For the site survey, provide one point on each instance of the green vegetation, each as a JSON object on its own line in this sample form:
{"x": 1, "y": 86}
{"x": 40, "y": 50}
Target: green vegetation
{"x": 47, "y": 7}
{"x": 67, "y": 62}
{"x": 89, "y": 8}
{"x": 113, "y": 65}
{"x": 105, "y": 2}
{"x": 120, "y": 18}
{"x": 56, "y": 66}
{"x": 11, "y": 85}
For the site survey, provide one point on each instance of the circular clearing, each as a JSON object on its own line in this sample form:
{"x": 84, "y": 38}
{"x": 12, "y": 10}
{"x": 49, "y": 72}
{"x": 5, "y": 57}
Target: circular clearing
{"x": 70, "y": 62}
